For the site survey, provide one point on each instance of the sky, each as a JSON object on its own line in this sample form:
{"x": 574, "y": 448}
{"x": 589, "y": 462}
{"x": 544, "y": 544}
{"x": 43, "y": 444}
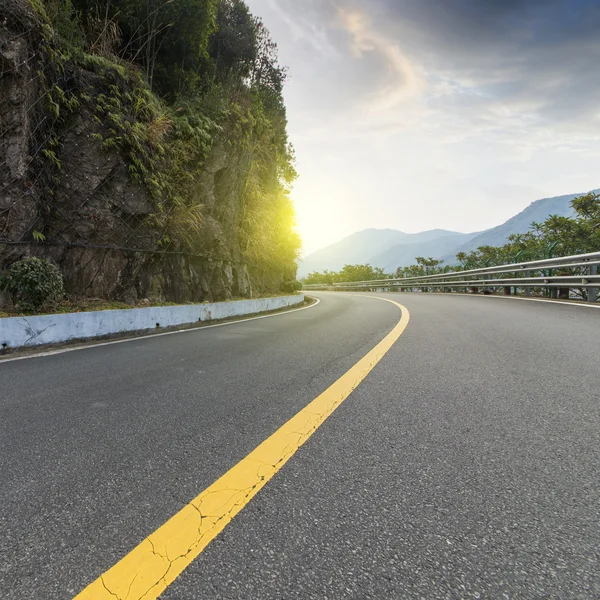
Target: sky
{"x": 425, "y": 114}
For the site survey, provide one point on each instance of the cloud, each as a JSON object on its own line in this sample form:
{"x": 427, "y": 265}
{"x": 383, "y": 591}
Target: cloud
{"x": 491, "y": 64}
{"x": 307, "y": 29}
{"x": 400, "y": 81}
{"x": 537, "y": 58}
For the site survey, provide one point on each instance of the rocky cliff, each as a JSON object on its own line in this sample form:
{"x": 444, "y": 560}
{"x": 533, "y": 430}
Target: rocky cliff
{"x": 99, "y": 186}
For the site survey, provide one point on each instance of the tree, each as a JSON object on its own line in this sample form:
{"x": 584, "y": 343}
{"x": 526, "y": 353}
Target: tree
{"x": 424, "y": 266}
{"x": 348, "y": 273}
{"x": 233, "y": 46}
{"x": 169, "y": 39}
{"x": 325, "y": 278}
{"x": 361, "y": 273}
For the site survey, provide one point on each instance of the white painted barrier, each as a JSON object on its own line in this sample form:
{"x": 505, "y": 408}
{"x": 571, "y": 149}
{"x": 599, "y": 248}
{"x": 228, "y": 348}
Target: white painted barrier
{"x": 16, "y": 332}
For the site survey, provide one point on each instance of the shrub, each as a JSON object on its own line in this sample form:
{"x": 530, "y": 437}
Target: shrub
{"x": 289, "y": 287}
{"x": 34, "y": 283}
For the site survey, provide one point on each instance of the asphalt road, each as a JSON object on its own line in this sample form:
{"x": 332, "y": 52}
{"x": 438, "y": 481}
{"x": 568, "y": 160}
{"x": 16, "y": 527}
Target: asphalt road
{"x": 466, "y": 465}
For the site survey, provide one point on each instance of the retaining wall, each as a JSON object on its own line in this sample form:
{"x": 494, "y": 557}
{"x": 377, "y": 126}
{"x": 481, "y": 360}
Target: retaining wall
{"x": 17, "y": 332}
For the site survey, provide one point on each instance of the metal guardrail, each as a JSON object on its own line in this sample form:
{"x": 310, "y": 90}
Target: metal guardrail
{"x": 586, "y": 277}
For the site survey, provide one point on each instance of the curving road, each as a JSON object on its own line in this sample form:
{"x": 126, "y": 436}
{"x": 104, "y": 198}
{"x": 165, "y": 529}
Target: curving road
{"x": 465, "y": 465}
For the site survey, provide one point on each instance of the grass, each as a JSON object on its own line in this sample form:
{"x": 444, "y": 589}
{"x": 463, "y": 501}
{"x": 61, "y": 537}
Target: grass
{"x": 81, "y": 305}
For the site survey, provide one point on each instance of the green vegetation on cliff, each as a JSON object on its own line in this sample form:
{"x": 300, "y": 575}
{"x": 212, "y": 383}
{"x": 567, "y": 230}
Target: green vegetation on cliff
{"x": 183, "y": 99}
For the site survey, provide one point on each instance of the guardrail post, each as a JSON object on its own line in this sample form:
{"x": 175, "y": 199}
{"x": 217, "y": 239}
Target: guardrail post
{"x": 527, "y": 287}
{"x": 593, "y": 291}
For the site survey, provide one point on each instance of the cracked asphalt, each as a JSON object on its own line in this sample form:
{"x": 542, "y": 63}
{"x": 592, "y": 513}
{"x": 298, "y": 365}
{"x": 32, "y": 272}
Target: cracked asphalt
{"x": 466, "y": 465}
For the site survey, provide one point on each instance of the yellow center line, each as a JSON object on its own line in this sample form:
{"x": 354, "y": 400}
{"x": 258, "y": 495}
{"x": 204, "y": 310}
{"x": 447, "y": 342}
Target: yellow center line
{"x": 157, "y": 561}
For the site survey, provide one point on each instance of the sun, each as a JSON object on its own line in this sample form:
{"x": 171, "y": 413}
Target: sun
{"x": 318, "y": 220}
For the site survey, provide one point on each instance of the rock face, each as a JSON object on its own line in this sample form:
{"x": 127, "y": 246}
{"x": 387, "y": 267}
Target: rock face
{"x": 18, "y": 92}
{"x": 94, "y": 217}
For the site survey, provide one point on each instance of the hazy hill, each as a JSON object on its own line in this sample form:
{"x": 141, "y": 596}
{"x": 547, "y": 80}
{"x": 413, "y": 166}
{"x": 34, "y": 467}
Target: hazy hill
{"x": 373, "y": 246}
{"x": 406, "y": 253}
{"x": 354, "y": 249}
{"x": 389, "y": 248}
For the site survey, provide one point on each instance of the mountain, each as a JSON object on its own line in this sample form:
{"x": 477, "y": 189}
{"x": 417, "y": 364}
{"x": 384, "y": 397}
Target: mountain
{"x": 537, "y": 211}
{"x": 390, "y": 249}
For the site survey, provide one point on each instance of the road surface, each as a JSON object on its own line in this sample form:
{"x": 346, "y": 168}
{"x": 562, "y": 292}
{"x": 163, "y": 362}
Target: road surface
{"x": 465, "y": 465}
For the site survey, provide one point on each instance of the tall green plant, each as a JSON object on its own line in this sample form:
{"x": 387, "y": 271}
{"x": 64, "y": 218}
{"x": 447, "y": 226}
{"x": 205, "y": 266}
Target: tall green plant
{"x": 34, "y": 283}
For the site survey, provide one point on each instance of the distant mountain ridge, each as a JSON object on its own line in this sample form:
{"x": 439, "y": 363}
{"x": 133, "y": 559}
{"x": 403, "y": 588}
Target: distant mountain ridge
{"x": 537, "y": 211}
{"x": 390, "y": 248}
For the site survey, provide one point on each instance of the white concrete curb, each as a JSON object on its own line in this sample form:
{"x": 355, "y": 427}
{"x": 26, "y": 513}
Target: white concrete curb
{"x": 17, "y": 332}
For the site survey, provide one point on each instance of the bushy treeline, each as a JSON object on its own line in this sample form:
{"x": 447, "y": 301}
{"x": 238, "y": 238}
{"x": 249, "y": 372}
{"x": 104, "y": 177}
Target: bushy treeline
{"x": 180, "y": 77}
{"x": 424, "y": 266}
{"x": 556, "y": 236}
{"x": 348, "y": 273}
